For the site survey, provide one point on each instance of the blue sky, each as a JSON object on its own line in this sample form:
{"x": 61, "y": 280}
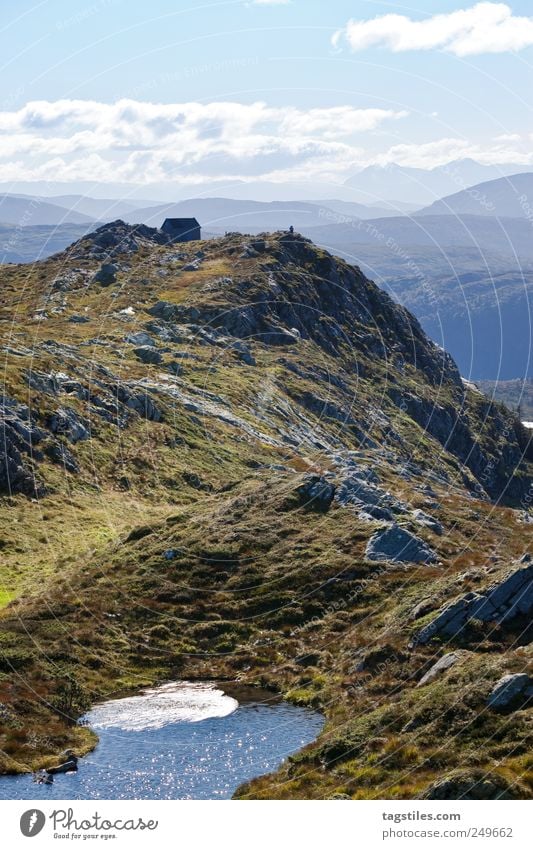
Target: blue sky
{"x": 305, "y": 107}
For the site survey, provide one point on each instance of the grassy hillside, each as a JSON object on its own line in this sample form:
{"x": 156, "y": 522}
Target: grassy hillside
{"x": 206, "y": 448}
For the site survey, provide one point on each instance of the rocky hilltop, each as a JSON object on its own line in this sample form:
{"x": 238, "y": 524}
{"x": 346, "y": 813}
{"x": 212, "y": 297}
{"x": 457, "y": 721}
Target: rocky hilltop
{"x": 240, "y": 458}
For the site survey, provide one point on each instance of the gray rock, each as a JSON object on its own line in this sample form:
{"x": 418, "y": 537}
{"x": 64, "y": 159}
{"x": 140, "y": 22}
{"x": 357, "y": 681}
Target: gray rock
{"x": 444, "y": 663}
{"x": 355, "y": 489}
{"x": 107, "y": 274}
{"x": 20, "y": 438}
{"x": 316, "y": 493}
{"x": 78, "y": 319}
{"x": 147, "y": 354}
{"x": 175, "y": 368}
{"x": 501, "y": 603}
{"x": 427, "y": 521}
{"x": 243, "y": 352}
{"x": 140, "y": 338}
{"x": 473, "y": 785}
{"x": 140, "y": 402}
{"x": 376, "y": 514}
{"x": 422, "y": 608}
{"x": 164, "y": 310}
{"x": 66, "y": 422}
{"x": 511, "y": 692}
{"x": 59, "y": 453}
{"x": 400, "y": 546}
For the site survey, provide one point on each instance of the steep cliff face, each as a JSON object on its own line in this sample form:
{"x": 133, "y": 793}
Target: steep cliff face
{"x": 276, "y": 456}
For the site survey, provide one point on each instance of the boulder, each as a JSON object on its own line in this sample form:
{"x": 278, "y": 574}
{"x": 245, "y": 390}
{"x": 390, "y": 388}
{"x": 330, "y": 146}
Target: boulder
{"x": 66, "y": 422}
{"x": 442, "y": 665}
{"x": 427, "y": 521}
{"x": 316, "y": 493}
{"x": 502, "y": 602}
{"x": 243, "y": 353}
{"x": 164, "y": 310}
{"x": 422, "y": 608}
{"x": 511, "y": 692}
{"x": 147, "y": 354}
{"x": 474, "y": 785}
{"x": 107, "y": 274}
{"x": 140, "y": 338}
{"x": 400, "y": 546}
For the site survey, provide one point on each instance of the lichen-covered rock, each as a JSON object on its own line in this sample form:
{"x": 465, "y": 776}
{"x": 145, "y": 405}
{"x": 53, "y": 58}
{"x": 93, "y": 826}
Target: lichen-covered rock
{"x": 66, "y": 422}
{"x": 315, "y": 493}
{"x": 399, "y": 545}
{"x": 147, "y": 354}
{"x": 442, "y": 665}
{"x": 427, "y": 521}
{"x": 475, "y": 785}
{"x": 511, "y": 692}
{"x": 501, "y": 603}
{"x": 19, "y": 438}
{"x": 106, "y": 274}
{"x": 140, "y": 338}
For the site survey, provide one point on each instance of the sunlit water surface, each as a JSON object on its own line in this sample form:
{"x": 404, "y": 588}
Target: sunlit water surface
{"x": 179, "y": 741}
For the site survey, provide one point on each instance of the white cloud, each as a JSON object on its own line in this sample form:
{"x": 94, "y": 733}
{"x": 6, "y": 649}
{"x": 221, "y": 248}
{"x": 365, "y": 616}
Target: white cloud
{"x": 197, "y": 143}
{"x": 483, "y": 28}
{"x": 145, "y": 142}
{"x": 443, "y": 151}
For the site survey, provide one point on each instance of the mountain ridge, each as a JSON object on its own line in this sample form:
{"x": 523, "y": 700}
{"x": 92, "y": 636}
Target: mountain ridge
{"x": 258, "y": 448}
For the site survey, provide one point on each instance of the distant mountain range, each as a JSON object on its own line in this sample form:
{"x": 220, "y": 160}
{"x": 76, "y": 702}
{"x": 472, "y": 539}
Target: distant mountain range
{"x": 422, "y": 186}
{"x": 396, "y": 236}
{"x": 462, "y": 265}
{"x": 23, "y": 211}
{"x": 508, "y": 197}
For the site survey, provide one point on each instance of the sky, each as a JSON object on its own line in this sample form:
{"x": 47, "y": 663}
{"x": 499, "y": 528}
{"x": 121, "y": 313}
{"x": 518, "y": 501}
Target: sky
{"x": 200, "y": 96}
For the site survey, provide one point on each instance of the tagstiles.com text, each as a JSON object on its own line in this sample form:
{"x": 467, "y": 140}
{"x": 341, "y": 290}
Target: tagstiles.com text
{"x": 410, "y": 830}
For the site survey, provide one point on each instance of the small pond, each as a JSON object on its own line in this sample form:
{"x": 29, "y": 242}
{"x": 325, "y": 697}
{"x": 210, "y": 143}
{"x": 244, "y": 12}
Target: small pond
{"x": 182, "y": 740}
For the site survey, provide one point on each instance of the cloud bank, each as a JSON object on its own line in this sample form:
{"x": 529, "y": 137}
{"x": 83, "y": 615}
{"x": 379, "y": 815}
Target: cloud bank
{"x": 483, "y": 28}
{"x": 136, "y": 141}
{"x": 196, "y": 143}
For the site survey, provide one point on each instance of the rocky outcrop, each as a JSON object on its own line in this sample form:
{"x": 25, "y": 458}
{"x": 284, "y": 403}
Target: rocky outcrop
{"x": 501, "y": 603}
{"x": 427, "y": 521}
{"x": 140, "y": 401}
{"x": 116, "y": 238}
{"x": 355, "y": 489}
{"x": 66, "y": 422}
{"x": 398, "y": 545}
{"x": 19, "y": 438}
{"x": 450, "y": 425}
{"x": 511, "y": 692}
{"x": 442, "y": 665}
{"x": 148, "y": 354}
{"x": 315, "y": 493}
{"x": 106, "y": 274}
{"x": 475, "y": 785}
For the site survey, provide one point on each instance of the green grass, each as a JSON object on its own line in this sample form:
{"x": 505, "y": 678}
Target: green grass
{"x": 258, "y": 588}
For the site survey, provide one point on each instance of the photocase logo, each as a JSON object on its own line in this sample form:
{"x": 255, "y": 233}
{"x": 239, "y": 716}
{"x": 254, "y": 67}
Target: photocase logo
{"x": 32, "y": 822}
